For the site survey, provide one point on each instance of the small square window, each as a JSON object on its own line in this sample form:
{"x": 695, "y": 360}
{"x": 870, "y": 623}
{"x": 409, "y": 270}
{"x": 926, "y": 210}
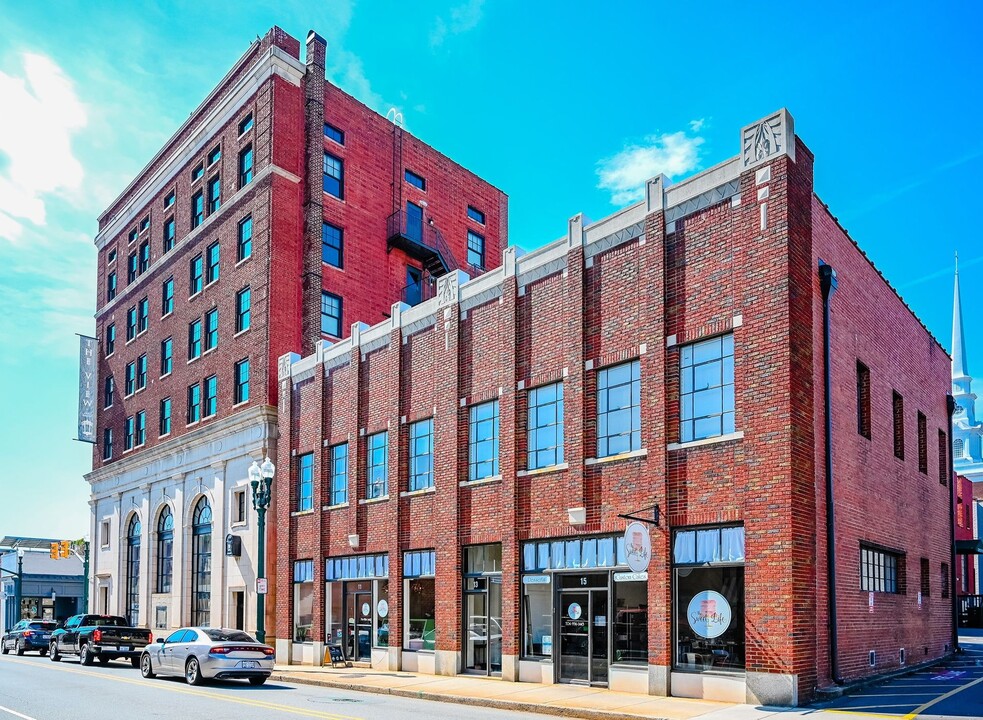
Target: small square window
{"x": 215, "y": 155}
{"x": 246, "y": 124}
{"x": 333, "y": 133}
{"x": 169, "y": 199}
{"x": 415, "y": 180}
{"x": 111, "y": 257}
{"x": 145, "y": 223}
{"x": 198, "y": 173}
{"x": 476, "y": 215}
{"x": 134, "y": 234}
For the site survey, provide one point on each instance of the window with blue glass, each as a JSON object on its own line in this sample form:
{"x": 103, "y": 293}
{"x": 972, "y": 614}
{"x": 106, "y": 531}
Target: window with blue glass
{"x": 214, "y": 194}
{"x": 706, "y": 388}
{"x": 246, "y": 124}
{"x": 483, "y": 441}
{"x": 130, "y": 379}
{"x": 141, "y": 428}
{"x": 194, "y": 339}
{"x": 356, "y": 567}
{"x": 131, "y": 322}
{"x": 109, "y": 391}
{"x": 303, "y": 600}
{"x": 545, "y": 427}
{"x": 110, "y": 286}
{"x": 215, "y": 155}
{"x": 110, "y": 339}
{"x": 144, "y": 256}
{"x": 334, "y": 134}
{"x": 415, "y": 180}
{"x": 143, "y": 315}
{"x": 194, "y": 403}
{"x": 167, "y": 297}
{"x": 476, "y": 215}
{"x": 131, "y": 268}
{"x": 197, "y": 209}
{"x": 305, "y": 482}
{"x": 330, "y": 314}
{"x": 169, "y": 199}
{"x": 166, "y": 356}
{"x": 141, "y": 372}
{"x": 145, "y": 224}
{"x": 212, "y": 268}
{"x": 168, "y": 234}
{"x": 129, "y": 428}
{"x": 245, "y": 166}
{"x": 339, "y": 474}
{"x": 196, "y": 274}
{"x": 334, "y": 175}
{"x": 619, "y": 412}
{"x": 244, "y": 243}
{"x": 377, "y": 465}
{"x": 243, "y": 311}
{"x": 476, "y": 250}
{"x": 241, "y": 372}
{"x": 107, "y": 444}
{"x": 421, "y": 455}
{"x": 164, "y": 427}
{"x": 332, "y": 245}
{"x": 198, "y": 172}
{"x": 420, "y": 593}
{"x": 211, "y": 395}
{"x": 211, "y": 329}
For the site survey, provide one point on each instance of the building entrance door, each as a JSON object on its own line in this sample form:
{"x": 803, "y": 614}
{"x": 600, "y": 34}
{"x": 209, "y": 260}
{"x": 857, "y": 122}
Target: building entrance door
{"x": 358, "y": 630}
{"x": 483, "y": 624}
{"x": 583, "y": 629}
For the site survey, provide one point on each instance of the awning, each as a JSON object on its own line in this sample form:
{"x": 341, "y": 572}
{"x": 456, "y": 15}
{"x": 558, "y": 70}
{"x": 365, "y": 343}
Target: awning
{"x": 969, "y": 547}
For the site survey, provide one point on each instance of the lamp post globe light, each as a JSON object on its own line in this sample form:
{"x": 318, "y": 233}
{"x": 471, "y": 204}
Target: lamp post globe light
{"x": 261, "y": 480}
{"x": 18, "y": 586}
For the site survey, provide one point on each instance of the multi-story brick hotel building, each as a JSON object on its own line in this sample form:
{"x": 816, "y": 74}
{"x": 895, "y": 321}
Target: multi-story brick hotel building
{"x": 280, "y": 212}
{"x": 720, "y": 363}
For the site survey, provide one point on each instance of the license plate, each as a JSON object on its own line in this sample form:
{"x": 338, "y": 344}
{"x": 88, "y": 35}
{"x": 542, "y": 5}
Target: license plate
{"x": 250, "y": 664}
{"x": 125, "y": 648}
{"x": 46, "y": 637}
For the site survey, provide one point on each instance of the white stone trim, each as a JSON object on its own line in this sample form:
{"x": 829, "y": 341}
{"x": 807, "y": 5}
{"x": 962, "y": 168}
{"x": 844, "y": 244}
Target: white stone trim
{"x": 739, "y": 435}
{"x": 559, "y": 467}
{"x": 643, "y": 452}
{"x": 491, "y": 479}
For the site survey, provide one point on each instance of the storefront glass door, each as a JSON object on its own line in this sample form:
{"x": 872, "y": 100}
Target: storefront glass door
{"x": 483, "y": 625}
{"x": 358, "y": 609}
{"x": 583, "y": 629}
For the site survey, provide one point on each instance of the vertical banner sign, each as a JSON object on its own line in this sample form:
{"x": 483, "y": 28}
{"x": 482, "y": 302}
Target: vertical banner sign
{"x": 87, "y": 389}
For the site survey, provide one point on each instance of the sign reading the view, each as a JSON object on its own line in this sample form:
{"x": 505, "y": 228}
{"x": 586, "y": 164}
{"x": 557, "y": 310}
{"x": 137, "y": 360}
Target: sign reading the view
{"x": 709, "y": 614}
{"x": 88, "y": 347}
{"x": 638, "y": 547}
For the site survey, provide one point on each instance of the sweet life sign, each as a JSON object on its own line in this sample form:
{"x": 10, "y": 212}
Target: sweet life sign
{"x": 88, "y": 349}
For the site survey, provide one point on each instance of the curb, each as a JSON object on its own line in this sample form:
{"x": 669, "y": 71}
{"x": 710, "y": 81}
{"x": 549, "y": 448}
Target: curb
{"x": 827, "y": 695}
{"x": 513, "y": 705}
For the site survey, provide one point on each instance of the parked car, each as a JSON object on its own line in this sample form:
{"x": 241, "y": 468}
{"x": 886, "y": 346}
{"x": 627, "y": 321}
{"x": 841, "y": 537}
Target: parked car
{"x": 105, "y": 637}
{"x": 28, "y": 636}
{"x": 199, "y": 654}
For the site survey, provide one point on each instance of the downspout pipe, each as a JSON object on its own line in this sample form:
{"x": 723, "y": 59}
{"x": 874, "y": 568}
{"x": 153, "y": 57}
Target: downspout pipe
{"x": 951, "y": 409}
{"x": 828, "y": 283}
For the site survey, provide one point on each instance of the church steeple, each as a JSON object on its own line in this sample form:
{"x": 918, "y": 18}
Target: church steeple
{"x": 958, "y": 340}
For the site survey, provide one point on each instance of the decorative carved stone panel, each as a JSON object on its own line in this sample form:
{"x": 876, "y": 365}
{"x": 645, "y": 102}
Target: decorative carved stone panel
{"x": 768, "y": 138}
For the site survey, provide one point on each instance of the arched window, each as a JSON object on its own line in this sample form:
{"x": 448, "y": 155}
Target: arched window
{"x": 957, "y": 448}
{"x": 133, "y": 569}
{"x": 201, "y": 563}
{"x": 165, "y": 550}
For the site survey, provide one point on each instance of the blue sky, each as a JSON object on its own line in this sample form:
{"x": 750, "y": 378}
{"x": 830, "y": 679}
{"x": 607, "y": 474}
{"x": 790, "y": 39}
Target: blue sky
{"x": 567, "y": 106}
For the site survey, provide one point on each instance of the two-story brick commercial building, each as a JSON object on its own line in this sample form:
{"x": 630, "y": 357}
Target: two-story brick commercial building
{"x": 282, "y": 210}
{"x": 715, "y": 362}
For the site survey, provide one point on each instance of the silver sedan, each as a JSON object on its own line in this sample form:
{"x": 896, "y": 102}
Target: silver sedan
{"x": 200, "y": 654}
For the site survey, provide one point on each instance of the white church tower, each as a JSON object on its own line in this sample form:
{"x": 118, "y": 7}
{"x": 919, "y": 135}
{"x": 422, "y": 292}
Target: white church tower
{"x": 967, "y": 433}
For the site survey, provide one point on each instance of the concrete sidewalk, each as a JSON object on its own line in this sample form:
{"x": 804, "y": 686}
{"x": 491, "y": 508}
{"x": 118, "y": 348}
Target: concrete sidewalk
{"x": 570, "y": 701}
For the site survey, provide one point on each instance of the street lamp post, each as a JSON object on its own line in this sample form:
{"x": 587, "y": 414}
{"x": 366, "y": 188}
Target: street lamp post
{"x": 18, "y": 585}
{"x": 261, "y": 480}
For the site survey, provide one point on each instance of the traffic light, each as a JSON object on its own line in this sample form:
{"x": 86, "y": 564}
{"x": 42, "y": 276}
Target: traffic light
{"x": 54, "y": 551}
{"x": 66, "y": 548}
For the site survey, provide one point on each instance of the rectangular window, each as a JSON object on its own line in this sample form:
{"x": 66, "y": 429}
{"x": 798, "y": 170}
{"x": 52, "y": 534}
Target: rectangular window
{"x": 194, "y": 403}
{"x": 130, "y": 379}
{"x": 483, "y": 441}
{"x": 196, "y": 274}
{"x": 945, "y": 580}
{"x": 211, "y": 329}
{"x": 333, "y": 133}
{"x": 198, "y": 173}
{"x": 245, "y": 166}
{"x": 244, "y": 243}
{"x": 169, "y": 199}
{"x": 476, "y": 215}
{"x": 926, "y": 584}
{"x": 630, "y": 623}
{"x": 545, "y": 427}
{"x": 881, "y": 570}
{"x": 212, "y": 269}
{"x": 706, "y": 390}
{"x": 238, "y": 506}
{"x": 165, "y": 417}
{"x": 107, "y": 444}
{"x": 214, "y": 194}
{"x": 110, "y": 339}
{"x": 197, "y": 209}
{"x": 246, "y": 124}
{"x": 334, "y": 176}
{"x": 145, "y": 224}
{"x": 168, "y": 234}
{"x": 476, "y": 250}
{"x": 143, "y": 315}
{"x": 241, "y": 381}
{"x": 303, "y": 600}
{"x": 377, "y": 465}
{"x": 420, "y": 593}
{"x": 128, "y": 434}
{"x": 332, "y": 245}
{"x": 211, "y": 395}
{"x": 339, "y": 474}
{"x": 330, "y": 315}
{"x": 110, "y": 286}
{"x": 108, "y": 391}
{"x": 421, "y": 455}
{"x": 243, "y": 305}
{"x": 415, "y": 180}
{"x": 110, "y": 257}
{"x": 922, "y": 444}
{"x": 166, "y": 356}
{"x": 141, "y": 428}
{"x": 131, "y": 268}
{"x": 619, "y": 410}
{"x": 897, "y": 403}
{"x": 141, "y": 372}
{"x": 144, "y": 256}
{"x": 863, "y": 400}
{"x": 215, "y": 155}
{"x": 134, "y": 234}
{"x": 305, "y": 482}
{"x": 943, "y": 459}
{"x": 194, "y": 339}
{"x": 167, "y": 297}
{"x": 131, "y": 322}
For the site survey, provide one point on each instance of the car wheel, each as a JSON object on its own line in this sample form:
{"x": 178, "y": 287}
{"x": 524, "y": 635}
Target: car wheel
{"x": 257, "y": 680}
{"x": 19, "y": 649}
{"x": 192, "y": 672}
{"x": 3, "y": 648}
{"x": 53, "y": 653}
{"x": 146, "y": 667}
{"x": 85, "y": 657}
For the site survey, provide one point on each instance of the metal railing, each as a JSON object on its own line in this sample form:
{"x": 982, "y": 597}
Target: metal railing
{"x": 424, "y": 234}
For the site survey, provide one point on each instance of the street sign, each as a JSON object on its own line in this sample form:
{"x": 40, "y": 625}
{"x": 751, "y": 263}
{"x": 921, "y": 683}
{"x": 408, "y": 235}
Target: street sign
{"x": 261, "y": 585}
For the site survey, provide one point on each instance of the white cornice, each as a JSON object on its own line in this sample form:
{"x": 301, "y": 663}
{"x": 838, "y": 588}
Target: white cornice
{"x": 274, "y": 62}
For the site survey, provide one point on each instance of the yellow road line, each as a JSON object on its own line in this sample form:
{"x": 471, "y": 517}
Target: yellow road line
{"x": 866, "y": 714}
{"x": 915, "y": 713}
{"x": 192, "y": 691}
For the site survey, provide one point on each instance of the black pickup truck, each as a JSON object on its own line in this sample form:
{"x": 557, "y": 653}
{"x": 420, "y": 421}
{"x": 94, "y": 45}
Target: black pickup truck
{"x": 105, "y": 637}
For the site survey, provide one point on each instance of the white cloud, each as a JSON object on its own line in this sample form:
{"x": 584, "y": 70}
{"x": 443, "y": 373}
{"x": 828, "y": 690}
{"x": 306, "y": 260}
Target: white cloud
{"x": 624, "y": 174}
{"x": 696, "y": 125}
{"x": 35, "y": 141}
{"x": 462, "y": 18}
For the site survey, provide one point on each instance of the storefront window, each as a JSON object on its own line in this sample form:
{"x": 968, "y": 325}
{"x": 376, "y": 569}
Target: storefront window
{"x": 537, "y": 613}
{"x": 709, "y": 599}
{"x": 382, "y": 613}
{"x": 303, "y": 600}
{"x": 630, "y": 622}
{"x": 357, "y": 603}
{"x": 420, "y": 594}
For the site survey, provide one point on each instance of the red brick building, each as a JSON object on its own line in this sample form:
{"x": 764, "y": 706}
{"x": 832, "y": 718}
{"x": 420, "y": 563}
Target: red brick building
{"x": 967, "y": 541}
{"x": 459, "y": 474}
{"x": 280, "y": 212}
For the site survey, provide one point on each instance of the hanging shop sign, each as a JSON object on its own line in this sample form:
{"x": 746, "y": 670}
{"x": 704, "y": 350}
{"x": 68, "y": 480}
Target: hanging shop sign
{"x": 535, "y": 579}
{"x": 630, "y": 576}
{"x": 638, "y": 547}
{"x": 709, "y": 614}
{"x": 88, "y": 352}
